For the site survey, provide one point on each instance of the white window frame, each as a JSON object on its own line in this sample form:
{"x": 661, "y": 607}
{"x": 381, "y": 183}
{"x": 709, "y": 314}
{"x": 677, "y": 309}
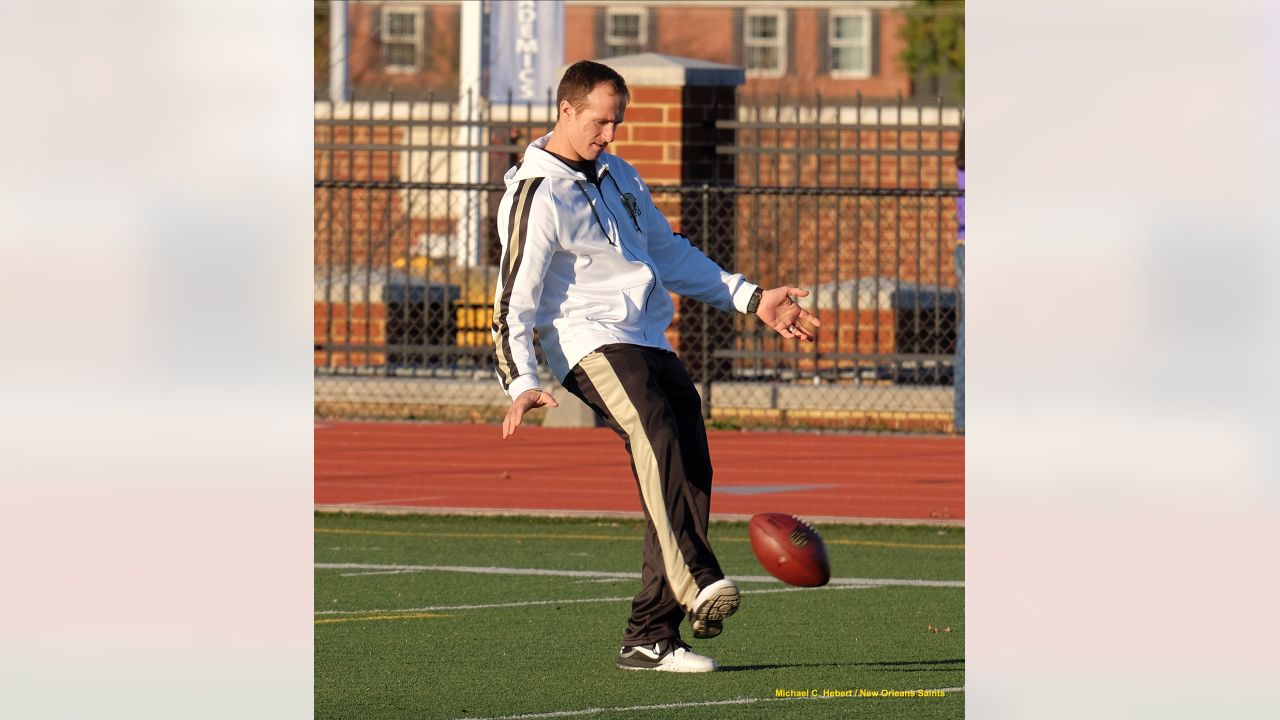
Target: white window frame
{"x": 749, "y": 42}
{"x": 640, "y": 12}
{"x": 384, "y": 30}
{"x": 865, "y": 42}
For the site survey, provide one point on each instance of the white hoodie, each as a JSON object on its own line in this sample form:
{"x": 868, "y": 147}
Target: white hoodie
{"x": 590, "y": 266}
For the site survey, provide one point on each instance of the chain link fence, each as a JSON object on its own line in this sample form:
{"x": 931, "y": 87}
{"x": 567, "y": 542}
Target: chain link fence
{"x": 855, "y": 203}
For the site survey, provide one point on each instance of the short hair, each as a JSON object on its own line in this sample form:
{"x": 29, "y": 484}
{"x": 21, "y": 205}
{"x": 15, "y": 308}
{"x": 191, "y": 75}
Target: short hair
{"x": 582, "y": 77}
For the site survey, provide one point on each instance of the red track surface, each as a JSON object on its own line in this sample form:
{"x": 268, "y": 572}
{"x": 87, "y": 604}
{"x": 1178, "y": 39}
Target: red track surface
{"x": 409, "y": 465}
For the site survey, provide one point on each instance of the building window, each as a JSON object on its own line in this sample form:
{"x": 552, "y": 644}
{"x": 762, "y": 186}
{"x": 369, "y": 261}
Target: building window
{"x": 402, "y": 38}
{"x": 626, "y": 31}
{"x": 764, "y": 42}
{"x": 849, "y": 42}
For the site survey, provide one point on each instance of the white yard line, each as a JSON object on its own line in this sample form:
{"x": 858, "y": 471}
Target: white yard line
{"x": 477, "y": 569}
{"x": 866, "y": 582}
{"x": 664, "y": 706}
{"x": 436, "y": 608}
{"x": 629, "y": 708}
{"x": 528, "y": 603}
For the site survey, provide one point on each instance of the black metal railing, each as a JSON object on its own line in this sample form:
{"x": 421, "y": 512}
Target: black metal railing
{"x": 854, "y": 203}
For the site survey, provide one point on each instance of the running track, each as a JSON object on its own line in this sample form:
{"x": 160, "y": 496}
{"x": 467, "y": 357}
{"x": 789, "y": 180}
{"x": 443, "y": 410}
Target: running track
{"x": 470, "y": 468}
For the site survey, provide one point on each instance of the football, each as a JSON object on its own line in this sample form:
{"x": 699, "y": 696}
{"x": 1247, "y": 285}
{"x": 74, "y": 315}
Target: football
{"x": 789, "y": 549}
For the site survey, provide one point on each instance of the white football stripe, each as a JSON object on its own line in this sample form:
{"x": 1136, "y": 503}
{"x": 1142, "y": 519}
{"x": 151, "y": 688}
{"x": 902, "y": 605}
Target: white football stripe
{"x": 867, "y": 582}
{"x": 596, "y": 710}
{"x": 435, "y": 608}
{"x": 664, "y": 706}
{"x": 529, "y": 602}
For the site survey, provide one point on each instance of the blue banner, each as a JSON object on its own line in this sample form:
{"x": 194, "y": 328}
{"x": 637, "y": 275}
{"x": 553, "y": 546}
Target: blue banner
{"x": 526, "y": 49}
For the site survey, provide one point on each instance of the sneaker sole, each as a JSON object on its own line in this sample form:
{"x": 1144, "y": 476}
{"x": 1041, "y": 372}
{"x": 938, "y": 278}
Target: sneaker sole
{"x": 706, "y": 629}
{"x": 707, "y": 620}
{"x": 672, "y": 667}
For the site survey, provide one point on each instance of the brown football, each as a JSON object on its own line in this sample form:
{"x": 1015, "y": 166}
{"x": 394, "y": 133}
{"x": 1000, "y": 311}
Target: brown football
{"x": 789, "y": 549}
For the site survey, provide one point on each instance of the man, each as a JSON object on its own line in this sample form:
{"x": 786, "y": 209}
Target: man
{"x": 587, "y": 261}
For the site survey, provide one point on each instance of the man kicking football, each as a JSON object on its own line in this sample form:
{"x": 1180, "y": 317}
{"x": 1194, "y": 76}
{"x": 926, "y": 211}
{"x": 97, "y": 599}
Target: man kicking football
{"x": 587, "y": 260}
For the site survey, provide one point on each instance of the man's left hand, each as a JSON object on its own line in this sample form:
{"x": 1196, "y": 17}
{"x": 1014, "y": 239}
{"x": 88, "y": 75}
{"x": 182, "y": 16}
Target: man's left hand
{"x": 779, "y": 310}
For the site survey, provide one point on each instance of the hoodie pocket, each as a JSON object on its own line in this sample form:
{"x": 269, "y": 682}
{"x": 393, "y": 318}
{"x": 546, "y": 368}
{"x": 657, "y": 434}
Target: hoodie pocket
{"x": 633, "y": 300}
{"x": 598, "y": 305}
{"x": 623, "y": 307}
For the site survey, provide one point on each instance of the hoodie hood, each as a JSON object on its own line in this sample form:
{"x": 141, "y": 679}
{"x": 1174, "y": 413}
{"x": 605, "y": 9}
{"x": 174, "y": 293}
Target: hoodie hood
{"x": 540, "y": 163}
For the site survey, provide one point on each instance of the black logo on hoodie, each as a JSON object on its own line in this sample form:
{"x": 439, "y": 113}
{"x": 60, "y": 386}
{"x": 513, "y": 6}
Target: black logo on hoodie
{"x": 633, "y": 207}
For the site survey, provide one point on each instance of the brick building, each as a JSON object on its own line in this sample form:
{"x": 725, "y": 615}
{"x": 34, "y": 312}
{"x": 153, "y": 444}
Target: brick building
{"x": 836, "y": 48}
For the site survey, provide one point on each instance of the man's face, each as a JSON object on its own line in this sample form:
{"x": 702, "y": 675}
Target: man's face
{"x": 591, "y": 129}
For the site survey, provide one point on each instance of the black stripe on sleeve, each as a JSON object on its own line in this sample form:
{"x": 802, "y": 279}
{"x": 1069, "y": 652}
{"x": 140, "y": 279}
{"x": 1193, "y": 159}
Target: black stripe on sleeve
{"x": 517, "y": 231}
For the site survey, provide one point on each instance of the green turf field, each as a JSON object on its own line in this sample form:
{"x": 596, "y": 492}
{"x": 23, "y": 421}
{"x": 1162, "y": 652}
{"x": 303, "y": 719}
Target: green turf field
{"x": 396, "y": 640}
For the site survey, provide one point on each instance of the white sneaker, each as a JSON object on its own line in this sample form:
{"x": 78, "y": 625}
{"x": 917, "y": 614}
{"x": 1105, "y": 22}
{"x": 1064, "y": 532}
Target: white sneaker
{"x": 716, "y": 602}
{"x": 671, "y": 655}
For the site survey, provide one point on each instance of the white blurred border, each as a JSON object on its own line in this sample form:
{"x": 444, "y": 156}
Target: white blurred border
{"x": 1122, "y": 344}
{"x": 155, "y": 215}
{"x": 155, "y": 220}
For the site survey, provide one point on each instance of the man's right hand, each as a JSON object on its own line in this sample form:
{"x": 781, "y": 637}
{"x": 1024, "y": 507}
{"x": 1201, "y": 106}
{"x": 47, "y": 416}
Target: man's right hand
{"x": 524, "y": 402}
